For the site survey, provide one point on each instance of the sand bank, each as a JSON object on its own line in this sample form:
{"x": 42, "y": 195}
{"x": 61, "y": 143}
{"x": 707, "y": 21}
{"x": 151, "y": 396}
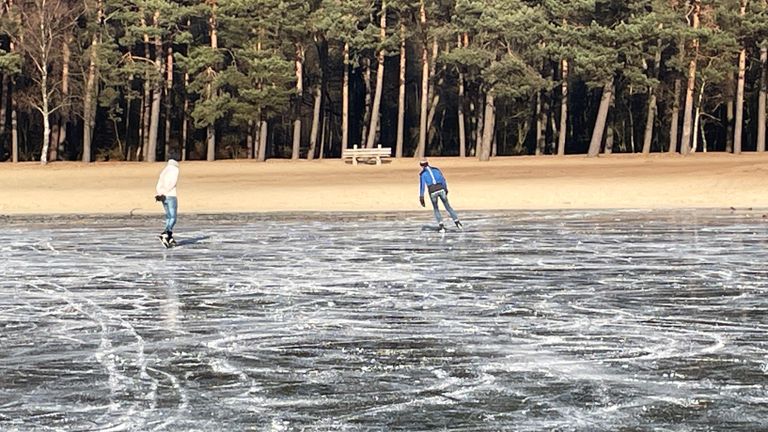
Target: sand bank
{"x": 572, "y": 182}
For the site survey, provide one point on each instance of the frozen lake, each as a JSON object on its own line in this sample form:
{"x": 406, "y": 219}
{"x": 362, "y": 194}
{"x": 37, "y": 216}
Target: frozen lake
{"x": 527, "y": 321}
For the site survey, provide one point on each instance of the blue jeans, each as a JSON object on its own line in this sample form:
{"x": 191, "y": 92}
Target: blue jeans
{"x": 171, "y": 206}
{"x": 443, "y": 195}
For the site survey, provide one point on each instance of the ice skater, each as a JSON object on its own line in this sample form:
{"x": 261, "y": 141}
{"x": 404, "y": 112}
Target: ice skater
{"x": 435, "y": 183}
{"x": 166, "y": 194}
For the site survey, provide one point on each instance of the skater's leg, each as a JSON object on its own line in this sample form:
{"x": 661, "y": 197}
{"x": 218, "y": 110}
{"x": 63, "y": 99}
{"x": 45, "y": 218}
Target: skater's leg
{"x": 167, "y": 211}
{"x": 171, "y": 208}
{"x": 164, "y": 236}
{"x": 438, "y": 216}
{"x": 451, "y": 211}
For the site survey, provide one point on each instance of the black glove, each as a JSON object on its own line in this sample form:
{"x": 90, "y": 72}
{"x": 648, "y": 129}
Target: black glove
{"x": 446, "y": 192}
{"x": 421, "y": 200}
{"x": 160, "y": 198}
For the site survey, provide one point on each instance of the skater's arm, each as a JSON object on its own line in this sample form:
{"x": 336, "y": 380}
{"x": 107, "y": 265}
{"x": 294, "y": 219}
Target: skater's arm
{"x": 160, "y": 188}
{"x": 421, "y": 185}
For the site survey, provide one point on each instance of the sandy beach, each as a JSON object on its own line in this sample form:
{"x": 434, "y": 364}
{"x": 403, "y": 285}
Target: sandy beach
{"x": 572, "y": 182}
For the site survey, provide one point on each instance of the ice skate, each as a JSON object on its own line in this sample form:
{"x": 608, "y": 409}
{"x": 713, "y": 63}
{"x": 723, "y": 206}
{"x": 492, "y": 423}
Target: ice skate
{"x": 165, "y": 239}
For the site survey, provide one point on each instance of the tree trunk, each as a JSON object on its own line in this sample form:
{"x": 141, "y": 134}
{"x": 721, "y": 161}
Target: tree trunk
{"x": 64, "y": 126}
{"x": 563, "y": 110}
{"x": 421, "y": 149}
{"x": 89, "y": 101}
{"x": 168, "y": 100}
{"x": 541, "y": 127}
{"x": 250, "y": 138}
{"x": 494, "y": 141}
{"x": 730, "y": 114}
{"x": 146, "y": 102}
{"x": 45, "y": 111}
{"x": 423, "y": 113}
{"x": 610, "y": 131}
{"x": 697, "y": 119}
{"x": 211, "y": 129}
{"x": 185, "y": 120}
{"x": 324, "y": 136}
{"x": 632, "y": 146}
{"x": 652, "y": 109}
{"x": 55, "y": 137}
{"x": 761, "y": 101}
{"x": 127, "y": 150}
{"x": 401, "y": 96}
{"x": 650, "y": 119}
{"x": 602, "y": 117}
{"x": 61, "y": 126}
{"x": 14, "y": 128}
{"x": 157, "y": 91}
{"x": 90, "y": 98}
{"x": 184, "y": 115}
{"x": 479, "y": 122}
{"x": 367, "y": 108}
{"x": 609, "y": 136}
{"x": 489, "y": 127}
{"x": 4, "y": 99}
{"x": 345, "y": 100}
{"x": 738, "y": 127}
{"x": 463, "y": 42}
{"x": 146, "y": 109}
{"x": 685, "y": 141}
{"x": 210, "y": 134}
{"x": 314, "y": 132}
{"x": 299, "y": 99}
{"x": 42, "y": 66}
{"x": 434, "y": 95}
{"x": 325, "y": 109}
{"x": 263, "y": 130}
{"x": 675, "y": 122}
{"x": 370, "y": 141}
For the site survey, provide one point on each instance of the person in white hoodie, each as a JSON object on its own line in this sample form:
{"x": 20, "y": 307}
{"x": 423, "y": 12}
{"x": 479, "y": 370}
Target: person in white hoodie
{"x": 166, "y": 194}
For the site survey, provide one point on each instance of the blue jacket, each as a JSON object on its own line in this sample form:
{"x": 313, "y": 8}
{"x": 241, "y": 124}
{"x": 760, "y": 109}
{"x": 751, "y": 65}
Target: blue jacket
{"x": 430, "y": 175}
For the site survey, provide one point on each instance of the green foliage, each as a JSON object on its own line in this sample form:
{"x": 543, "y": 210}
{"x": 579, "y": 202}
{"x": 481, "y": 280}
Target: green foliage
{"x": 10, "y": 63}
{"x": 351, "y": 22}
{"x": 210, "y": 109}
{"x": 506, "y": 51}
{"x": 512, "y": 78}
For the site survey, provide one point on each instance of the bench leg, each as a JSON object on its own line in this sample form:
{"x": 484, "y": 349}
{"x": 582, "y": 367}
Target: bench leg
{"x": 378, "y": 160}
{"x": 354, "y": 160}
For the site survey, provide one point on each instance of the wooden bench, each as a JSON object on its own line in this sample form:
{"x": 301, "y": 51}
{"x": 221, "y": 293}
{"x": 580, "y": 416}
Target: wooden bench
{"x": 356, "y": 153}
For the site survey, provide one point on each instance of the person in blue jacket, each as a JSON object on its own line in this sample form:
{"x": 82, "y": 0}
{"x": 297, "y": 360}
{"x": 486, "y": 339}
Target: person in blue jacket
{"x": 433, "y": 180}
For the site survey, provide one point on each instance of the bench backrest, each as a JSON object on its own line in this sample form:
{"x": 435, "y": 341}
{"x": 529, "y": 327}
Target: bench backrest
{"x": 383, "y": 151}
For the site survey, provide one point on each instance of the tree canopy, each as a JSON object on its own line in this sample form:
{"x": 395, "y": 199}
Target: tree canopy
{"x": 155, "y": 79}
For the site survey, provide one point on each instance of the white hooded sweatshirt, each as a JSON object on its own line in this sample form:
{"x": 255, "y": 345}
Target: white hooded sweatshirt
{"x": 166, "y": 184}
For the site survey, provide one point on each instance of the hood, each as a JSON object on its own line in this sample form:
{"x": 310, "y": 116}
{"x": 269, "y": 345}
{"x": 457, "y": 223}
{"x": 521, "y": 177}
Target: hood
{"x": 173, "y": 162}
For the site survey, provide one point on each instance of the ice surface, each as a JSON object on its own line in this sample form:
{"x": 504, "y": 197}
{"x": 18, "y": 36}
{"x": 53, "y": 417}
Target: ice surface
{"x": 527, "y": 321}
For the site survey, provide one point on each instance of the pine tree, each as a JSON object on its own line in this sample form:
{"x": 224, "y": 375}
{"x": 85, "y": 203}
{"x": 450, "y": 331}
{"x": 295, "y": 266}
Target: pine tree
{"x": 341, "y": 22}
{"x": 502, "y": 58}
{"x": 256, "y": 84}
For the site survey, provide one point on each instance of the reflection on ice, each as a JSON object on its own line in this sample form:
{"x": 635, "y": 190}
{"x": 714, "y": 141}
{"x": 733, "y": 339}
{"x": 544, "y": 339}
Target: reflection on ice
{"x": 526, "y": 321}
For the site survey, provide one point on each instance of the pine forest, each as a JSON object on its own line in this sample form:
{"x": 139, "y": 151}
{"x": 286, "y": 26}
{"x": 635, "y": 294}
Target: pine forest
{"x": 148, "y": 80}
